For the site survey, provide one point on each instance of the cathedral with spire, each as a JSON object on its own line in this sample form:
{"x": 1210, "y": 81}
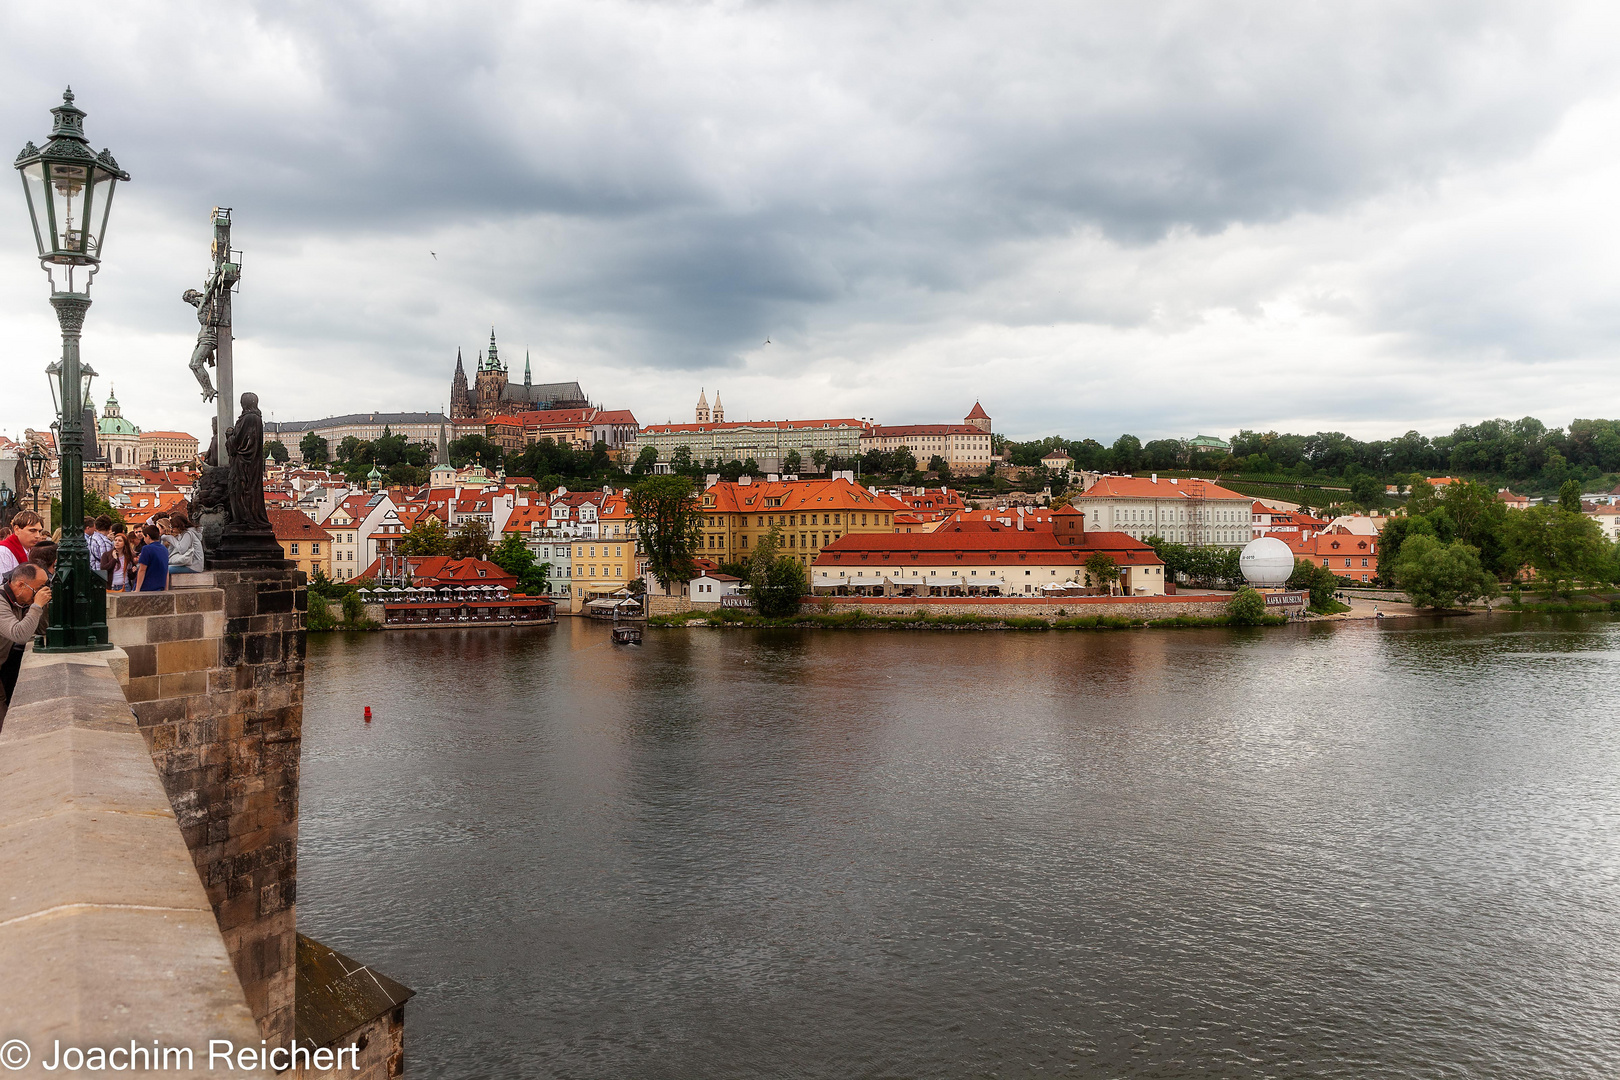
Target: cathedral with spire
{"x": 493, "y": 394}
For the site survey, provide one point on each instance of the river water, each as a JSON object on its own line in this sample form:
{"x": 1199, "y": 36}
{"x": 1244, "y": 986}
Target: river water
{"x": 1343, "y": 851}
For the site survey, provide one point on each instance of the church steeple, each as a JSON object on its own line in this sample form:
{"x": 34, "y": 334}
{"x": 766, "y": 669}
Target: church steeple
{"x": 461, "y": 372}
{"x": 719, "y": 413}
{"x": 526, "y": 379}
{"x": 494, "y": 361}
{"x": 444, "y": 448}
{"x": 703, "y": 407}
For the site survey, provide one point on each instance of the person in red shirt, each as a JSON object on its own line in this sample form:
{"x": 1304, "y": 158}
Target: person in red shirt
{"x": 27, "y": 529}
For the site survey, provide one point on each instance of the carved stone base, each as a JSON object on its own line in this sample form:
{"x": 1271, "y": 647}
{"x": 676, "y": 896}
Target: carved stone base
{"x": 241, "y": 548}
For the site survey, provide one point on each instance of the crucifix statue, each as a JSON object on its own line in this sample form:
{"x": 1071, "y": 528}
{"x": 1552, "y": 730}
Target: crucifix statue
{"x": 229, "y": 500}
{"x": 213, "y": 304}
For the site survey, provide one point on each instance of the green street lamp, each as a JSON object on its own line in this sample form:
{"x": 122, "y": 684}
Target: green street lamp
{"x": 69, "y": 189}
{"x": 36, "y": 471}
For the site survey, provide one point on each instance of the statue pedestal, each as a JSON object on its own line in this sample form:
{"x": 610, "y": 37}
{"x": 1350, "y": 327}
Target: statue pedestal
{"x": 243, "y": 548}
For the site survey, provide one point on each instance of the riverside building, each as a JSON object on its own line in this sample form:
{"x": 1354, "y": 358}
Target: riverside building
{"x": 985, "y": 559}
{"x": 1190, "y": 511}
{"x": 809, "y": 515}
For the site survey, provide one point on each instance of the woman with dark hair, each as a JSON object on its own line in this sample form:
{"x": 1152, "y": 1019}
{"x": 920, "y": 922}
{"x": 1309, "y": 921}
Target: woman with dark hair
{"x": 185, "y": 545}
{"x": 43, "y": 555}
{"x": 119, "y": 562}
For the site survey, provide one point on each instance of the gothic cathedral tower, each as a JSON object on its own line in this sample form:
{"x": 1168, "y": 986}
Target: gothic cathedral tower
{"x": 461, "y": 405}
{"x": 491, "y": 380}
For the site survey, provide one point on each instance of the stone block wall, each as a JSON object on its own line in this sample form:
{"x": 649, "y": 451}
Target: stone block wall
{"x": 1071, "y": 607}
{"x": 106, "y": 934}
{"x": 216, "y": 682}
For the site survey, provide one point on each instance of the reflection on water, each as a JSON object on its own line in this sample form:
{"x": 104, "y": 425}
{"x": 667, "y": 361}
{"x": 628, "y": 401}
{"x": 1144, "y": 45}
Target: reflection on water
{"x": 1324, "y": 851}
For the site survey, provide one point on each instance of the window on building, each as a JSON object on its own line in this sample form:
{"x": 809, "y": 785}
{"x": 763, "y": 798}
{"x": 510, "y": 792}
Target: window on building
{"x": 294, "y": 549}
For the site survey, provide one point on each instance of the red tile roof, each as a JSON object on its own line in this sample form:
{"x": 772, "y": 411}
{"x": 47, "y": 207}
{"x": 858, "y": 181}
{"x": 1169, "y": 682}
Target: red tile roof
{"x": 292, "y": 524}
{"x": 902, "y": 430}
{"x": 952, "y": 543}
{"x": 775, "y": 425}
{"x": 1144, "y": 487}
{"x": 443, "y": 570}
{"x": 978, "y": 412}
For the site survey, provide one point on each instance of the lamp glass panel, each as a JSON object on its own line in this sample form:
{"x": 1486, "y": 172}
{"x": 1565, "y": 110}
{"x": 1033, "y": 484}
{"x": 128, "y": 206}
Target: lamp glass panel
{"x": 53, "y": 375}
{"x": 33, "y": 178}
{"x": 69, "y": 186}
{"x": 99, "y": 208}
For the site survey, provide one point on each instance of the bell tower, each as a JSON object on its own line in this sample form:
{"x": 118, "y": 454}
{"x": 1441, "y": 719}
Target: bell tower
{"x": 491, "y": 380}
{"x": 703, "y": 407}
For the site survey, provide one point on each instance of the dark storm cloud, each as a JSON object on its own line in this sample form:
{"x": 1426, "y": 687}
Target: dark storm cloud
{"x": 664, "y": 185}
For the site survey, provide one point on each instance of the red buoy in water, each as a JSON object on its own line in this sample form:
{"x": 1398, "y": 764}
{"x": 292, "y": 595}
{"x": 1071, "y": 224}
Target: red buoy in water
{"x": 368, "y": 714}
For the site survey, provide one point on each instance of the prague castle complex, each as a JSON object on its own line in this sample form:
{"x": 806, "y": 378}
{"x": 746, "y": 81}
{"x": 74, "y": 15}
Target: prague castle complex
{"x": 491, "y": 394}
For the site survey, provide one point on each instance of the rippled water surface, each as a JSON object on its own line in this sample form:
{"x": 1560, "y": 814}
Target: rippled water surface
{"x": 1341, "y": 850}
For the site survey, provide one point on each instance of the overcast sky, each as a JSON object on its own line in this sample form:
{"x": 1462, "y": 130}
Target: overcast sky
{"x": 1164, "y": 218}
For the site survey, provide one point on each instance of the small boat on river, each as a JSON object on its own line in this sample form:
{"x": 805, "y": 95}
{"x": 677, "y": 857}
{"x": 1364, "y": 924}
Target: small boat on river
{"x": 626, "y": 635}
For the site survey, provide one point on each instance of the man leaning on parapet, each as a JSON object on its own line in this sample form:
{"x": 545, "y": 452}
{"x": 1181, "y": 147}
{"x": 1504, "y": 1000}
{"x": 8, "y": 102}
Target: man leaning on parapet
{"x": 25, "y": 593}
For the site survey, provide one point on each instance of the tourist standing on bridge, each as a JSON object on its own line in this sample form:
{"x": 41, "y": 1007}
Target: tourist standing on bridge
{"x": 27, "y": 529}
{"x": 25, "y": 593}
{"x": 152, "y": 571}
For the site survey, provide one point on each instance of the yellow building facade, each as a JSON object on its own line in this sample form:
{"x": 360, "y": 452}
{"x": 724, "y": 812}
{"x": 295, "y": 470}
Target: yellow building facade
{"x": 810, "y": 514}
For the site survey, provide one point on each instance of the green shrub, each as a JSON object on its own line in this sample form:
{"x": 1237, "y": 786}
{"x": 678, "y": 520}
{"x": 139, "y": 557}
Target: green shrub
{"x": 354, "y": 610}
{"x": 319, "y": 618}
{"x": 1247, "y": 608}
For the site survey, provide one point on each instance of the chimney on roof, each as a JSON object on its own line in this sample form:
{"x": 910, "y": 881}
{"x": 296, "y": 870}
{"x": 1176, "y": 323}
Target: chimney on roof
{"x": 1155, "y": 478}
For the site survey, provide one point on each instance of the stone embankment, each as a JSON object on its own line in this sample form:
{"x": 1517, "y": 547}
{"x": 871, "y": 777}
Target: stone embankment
{"x": 1013, "y": 607}
{"x": 989, "y": 607}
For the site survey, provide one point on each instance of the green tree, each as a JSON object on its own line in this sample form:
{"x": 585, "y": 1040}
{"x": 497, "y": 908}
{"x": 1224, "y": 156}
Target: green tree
{"x": 1437, "y": 575}
{"x": 818, "y": 458}
{"x": 1246, "y": 608}
{"x": 354, "y": 610}
{"x": 514, "y": 556}
{"x": 313, "y": 447}
{"x": 348, "y": 448}
{"x": 277, "y": 451}
{"x": 1563, "y": 547}
{"x": 668, "y": 523}
{"x": 427, "y": 537}
{"x": 645, "y": 461}
{"x": 1367, "y": 492}
{"x": 1127, "y": 453}
{"x": 1316, "y": 579}
{"x": 470, "y": 540}
{"x": 792, "y": 462}
{"x": 469, "y": 448}
{"x": 681, "y": 460}
{"x": 1103, "y": 569}
{"x": 777, "y": 581}
{"x": 1569, "y": 496}
{"x": 1479, "y": 518}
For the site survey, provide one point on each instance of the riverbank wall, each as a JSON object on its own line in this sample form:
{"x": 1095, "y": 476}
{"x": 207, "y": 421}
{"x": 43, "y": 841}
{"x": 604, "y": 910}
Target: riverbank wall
{"x": 988, "y": 607}
{"x": 1015, "y": 607}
